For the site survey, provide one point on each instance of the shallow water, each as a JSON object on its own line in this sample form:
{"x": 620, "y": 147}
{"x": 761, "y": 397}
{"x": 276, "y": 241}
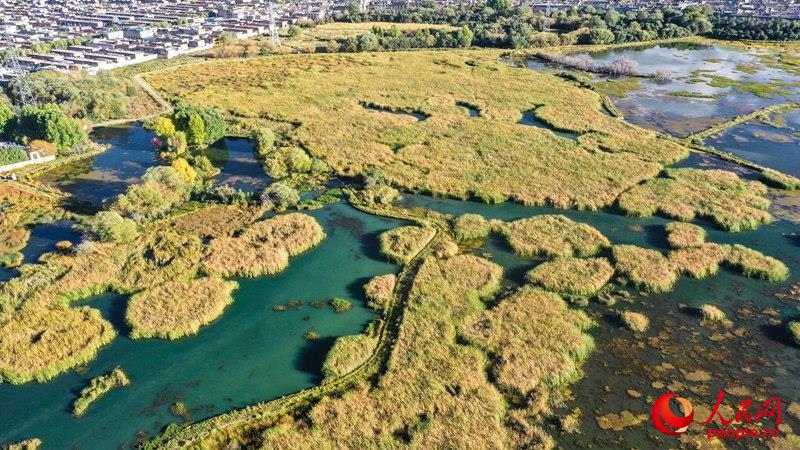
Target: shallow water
{"x": 250, "y": 354}
{"x": 108, "y": 174}
{"x": 43, "y": 239}
{"x": 238, "y": 165}
{"x": 529, "y": 118}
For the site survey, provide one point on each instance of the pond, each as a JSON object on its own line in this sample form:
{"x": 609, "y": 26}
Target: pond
{"x": 250, "y": 354}
{"x": 711, "y": 84}
{"x": 43, "y": 239}
{"x": 239, "y": 167}
{"x": 774, "y": 146}
{"x": 626, "y": 372}
{"x": 93, "y": 181}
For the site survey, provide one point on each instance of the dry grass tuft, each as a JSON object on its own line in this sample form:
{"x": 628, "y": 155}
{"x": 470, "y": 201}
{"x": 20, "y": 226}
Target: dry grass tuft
{"x": 733, "y": 204}
{"x": 755, "y": 264}
{"x": 347, "y": 353}
{"x": 97, "y": 388}
{"x": 379, "y": 291}
{"x": 682, "y": 235}
{"x": 573, "y": 276}
{"x": 552, "y": 235}
{"x": 646, "y": 268}
{"x": 467, "y": 227}
{"x": 178, "y": 308}
{"x": 636, "y": 322}
{"x": 794, "y": 331}
{"x": 713, "y": 314}
{"x": 403, "y": 243}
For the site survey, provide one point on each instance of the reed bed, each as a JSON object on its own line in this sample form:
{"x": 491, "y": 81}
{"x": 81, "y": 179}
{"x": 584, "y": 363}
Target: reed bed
{"x": 379, "y": 291}
{"x": 552, "y": 235}
{"x": 755, "y": 264}
{"x": 497, "y": 158}
{"x": 403, "y": 243}
{"x": 683, "y": 194}
{"x": 634, "y": 321}
{"x": 572, "y": 276}
{"x": 347, "y": 353}
{"x": 217, "y": 220}
{"x": 160, "y": 257}
{"x": 646, "y": 268}
{"x": 98, "y": 387}
{"x": 177, "y": 309}
{"x": 470, "y": 227}
{"x": 780, "y": 180}
{"x": 536, "y": 338}
{"x": 683, "y": 235}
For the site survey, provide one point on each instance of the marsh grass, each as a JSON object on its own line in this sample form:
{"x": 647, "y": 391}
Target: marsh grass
{"x": 755, "y": 264}
{"x": 497, "y": 158}
{"x": 573, "y": 276}
{"x": 648, "y": 269}
{"x": 699, "y": 262}
{"x": 634, "y": 321}
{"x": 683, "y": 194}
{"x": 177, "y": 309}
{"x": 682, "y": 235}
{"x": 347, "y": 353}
{"x": 780, "y": 180}
{"x": 794, "y": 331}
{"x": 470, "y": 227}
{"x": 713, "y": 314}
{"x": 552, "y": 235}
{"x": 160, "y": 257}
{"x": 379, "y": 291}
{"x": 401, "y": 244}
{"x": 340, "y": 305}
{"x": 97, "y": 388}
{"x": 217, "y": 220}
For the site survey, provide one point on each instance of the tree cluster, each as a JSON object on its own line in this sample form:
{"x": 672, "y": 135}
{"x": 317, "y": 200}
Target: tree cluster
{"x": 46, "y": 122}
{"x": 755, "y": 29}
{"x": 390, "y": 39}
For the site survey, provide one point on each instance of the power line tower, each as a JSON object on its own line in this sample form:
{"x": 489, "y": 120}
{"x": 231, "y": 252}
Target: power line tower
{"x": 24, "y": 93}
{"x": 273, "y": 29}
{"x": 546, "y": 21}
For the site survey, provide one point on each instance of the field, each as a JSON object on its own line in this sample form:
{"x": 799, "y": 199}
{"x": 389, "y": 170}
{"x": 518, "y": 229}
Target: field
{"x": 338, "y": 106}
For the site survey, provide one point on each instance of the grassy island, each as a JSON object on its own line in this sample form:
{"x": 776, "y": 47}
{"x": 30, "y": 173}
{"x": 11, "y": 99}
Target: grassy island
{"x": 379, "y": 291}
{"x": 552, "y": 235}
{"x": 178, "y": 308}
{"x": 402, "y": 243}
{"x": 646, "y": 268}
{"x": 347, "y": 353}
{"x": 573, "y": 276}
{"x": 681, "y": 235}
{"x": 97, "y": 388}
{"x": 467, "y": 227}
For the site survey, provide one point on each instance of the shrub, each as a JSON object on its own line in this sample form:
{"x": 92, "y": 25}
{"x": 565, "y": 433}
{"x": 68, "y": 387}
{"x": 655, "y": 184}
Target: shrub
{"x": 162, "y": 189}
{"x": 109, "y": 226}
{"x": 404, "y": 243}
{"x": 347, "y": 353}
{"x": 163, "y": 127}
{"x": 636, "y": 322}
{"x": 264, "y": 140}
{"x": 572, "y": 276}
{"x": 281, "y": 196}
{"x": 340, "y": 305}
{"x": 97, "y": 388}
{"x": 647, "y": 268}
{"x": 470, "y": 227}
{"x": 379, "y": 291}
{"x": 12, "y": 154}
{"x": 681, "y": 235}
{"x": 48, "y": 122}
{"x": 552, "y": 235}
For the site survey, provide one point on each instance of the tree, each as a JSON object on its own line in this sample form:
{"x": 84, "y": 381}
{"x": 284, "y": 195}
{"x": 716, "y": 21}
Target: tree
{"x": 110, "y": 226}
{"x": 465, "y": 37}
{"x": 164, "y": 127}
{"x": 196, "y": 130}
{"x": 367, "y": 42}
{"x": 49, "y": 123}
{"x": 601, "y": 36}
{"x": 6, "y": 119}
{"x": 185, "y": 170}
{"x": 264, "y": 140}
{"x": 178, "y": 142}
{"x": 502, "y": 7}
{"x": 281, "y": 195}
{"x": 295, "y": 31}
{"x": 215, "y": 125}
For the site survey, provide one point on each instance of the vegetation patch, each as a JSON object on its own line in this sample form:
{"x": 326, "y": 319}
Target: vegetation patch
{"x": 780, "y": 180}
{"x": 646, "y": 268}
{"x": 178, "y": 308}
{"x": 573, "y": 276}
{"x": 683, "y": 194}
{"x": 552, "y": 235}
{"x": 468, "y": 227}
{"x": 634, "y": 321}
{"x": 403, "y": 243}
{"x": 159, "y": 257}
{"x": 496, "y": 158}
{"x": 347, "y": 353}
{"x": 216, "y": 220}
{"x": 794, "y": 331}
{"x": 755, "y": 264}
{"x": 699, "y": 262}
{"x": 97, "y": 388}
{"x": 340, "y": 305}
{"x": 379, "y": 291}
{"x": 682, "y": 235}
{"x": 713, "y": 314}
{"x": 537, "y": 340}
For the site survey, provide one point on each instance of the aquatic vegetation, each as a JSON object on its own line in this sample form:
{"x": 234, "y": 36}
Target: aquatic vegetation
{"x": 97, "y": 388}
{"x": 446, "y": 249}
{"x": 536, "y": 338}
{"x": 552, "y": 235}
{"x": 647, "y": 268}
{"x": 634, "y": 321}
{"x": 27, "y": 444}
{"x": 42, "y": 343}
{"x": 311, "y": 335}
{"x": 159, "y": 257}
{"x": 780, "y": 180}
{"x": 572, "y": 276}
{"x": 683, "y": 194}
{"x": 497, "y": 159}
{"x": 755, "y": 264}
{"x": 347, "y": 353}
{"x": 619, "y": 87}
{"x": 467, "y": 227}
{"x": 794, "y": 330}
{"x": 699, "y": 262}
{"x": 682, "y": 235}
{"x": 340, "y": 305}
{"x": 401, "y": 244}
{"x": 264, "y": 248}
{"x": 379, "y": 291}
{"x": 11, "y": 259}
{"x": 712, "y": 313}
{"x": 177, "y": 309}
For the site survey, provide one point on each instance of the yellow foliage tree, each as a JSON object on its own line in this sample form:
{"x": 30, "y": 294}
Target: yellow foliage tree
{"x": 164, "y": 127}
{"x": 185, "y": 170}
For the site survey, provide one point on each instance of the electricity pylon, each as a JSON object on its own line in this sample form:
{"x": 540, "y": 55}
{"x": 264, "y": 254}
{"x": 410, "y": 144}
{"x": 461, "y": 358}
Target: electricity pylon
{"x": 24, "y": 94}
{"x": 273, "y": 29}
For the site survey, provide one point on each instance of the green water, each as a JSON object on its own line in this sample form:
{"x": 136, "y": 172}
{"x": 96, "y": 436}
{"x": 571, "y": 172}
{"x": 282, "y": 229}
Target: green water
{"x": 250, "y": 354}
{"x": 763, "y": 360}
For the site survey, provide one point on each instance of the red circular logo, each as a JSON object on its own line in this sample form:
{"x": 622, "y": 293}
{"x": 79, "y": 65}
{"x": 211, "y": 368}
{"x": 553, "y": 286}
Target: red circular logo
{"x": 668, "y": 422}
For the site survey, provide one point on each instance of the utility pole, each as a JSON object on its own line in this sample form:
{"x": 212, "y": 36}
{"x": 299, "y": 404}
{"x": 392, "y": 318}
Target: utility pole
{"x": 24, "y": 93}
{"x": 273, "y": 29}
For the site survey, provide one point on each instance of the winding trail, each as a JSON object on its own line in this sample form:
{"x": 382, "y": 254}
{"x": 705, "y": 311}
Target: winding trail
{"x": 145, "y": 86}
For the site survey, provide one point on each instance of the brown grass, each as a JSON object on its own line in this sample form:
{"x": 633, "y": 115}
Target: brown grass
{"x": 379, "y": 291}
{"x": 682, "y": 235}
{"x": 646, "y": 268}
{"x": 552, "y": 235}
{"x": 178, "y": 308}
{"x": 217, "y": 220}
{"x": 403, "y": 243}
{"x": 573, "y": 276}
{"x": 733, "y": 204}
{"x": 347, "y": 353}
